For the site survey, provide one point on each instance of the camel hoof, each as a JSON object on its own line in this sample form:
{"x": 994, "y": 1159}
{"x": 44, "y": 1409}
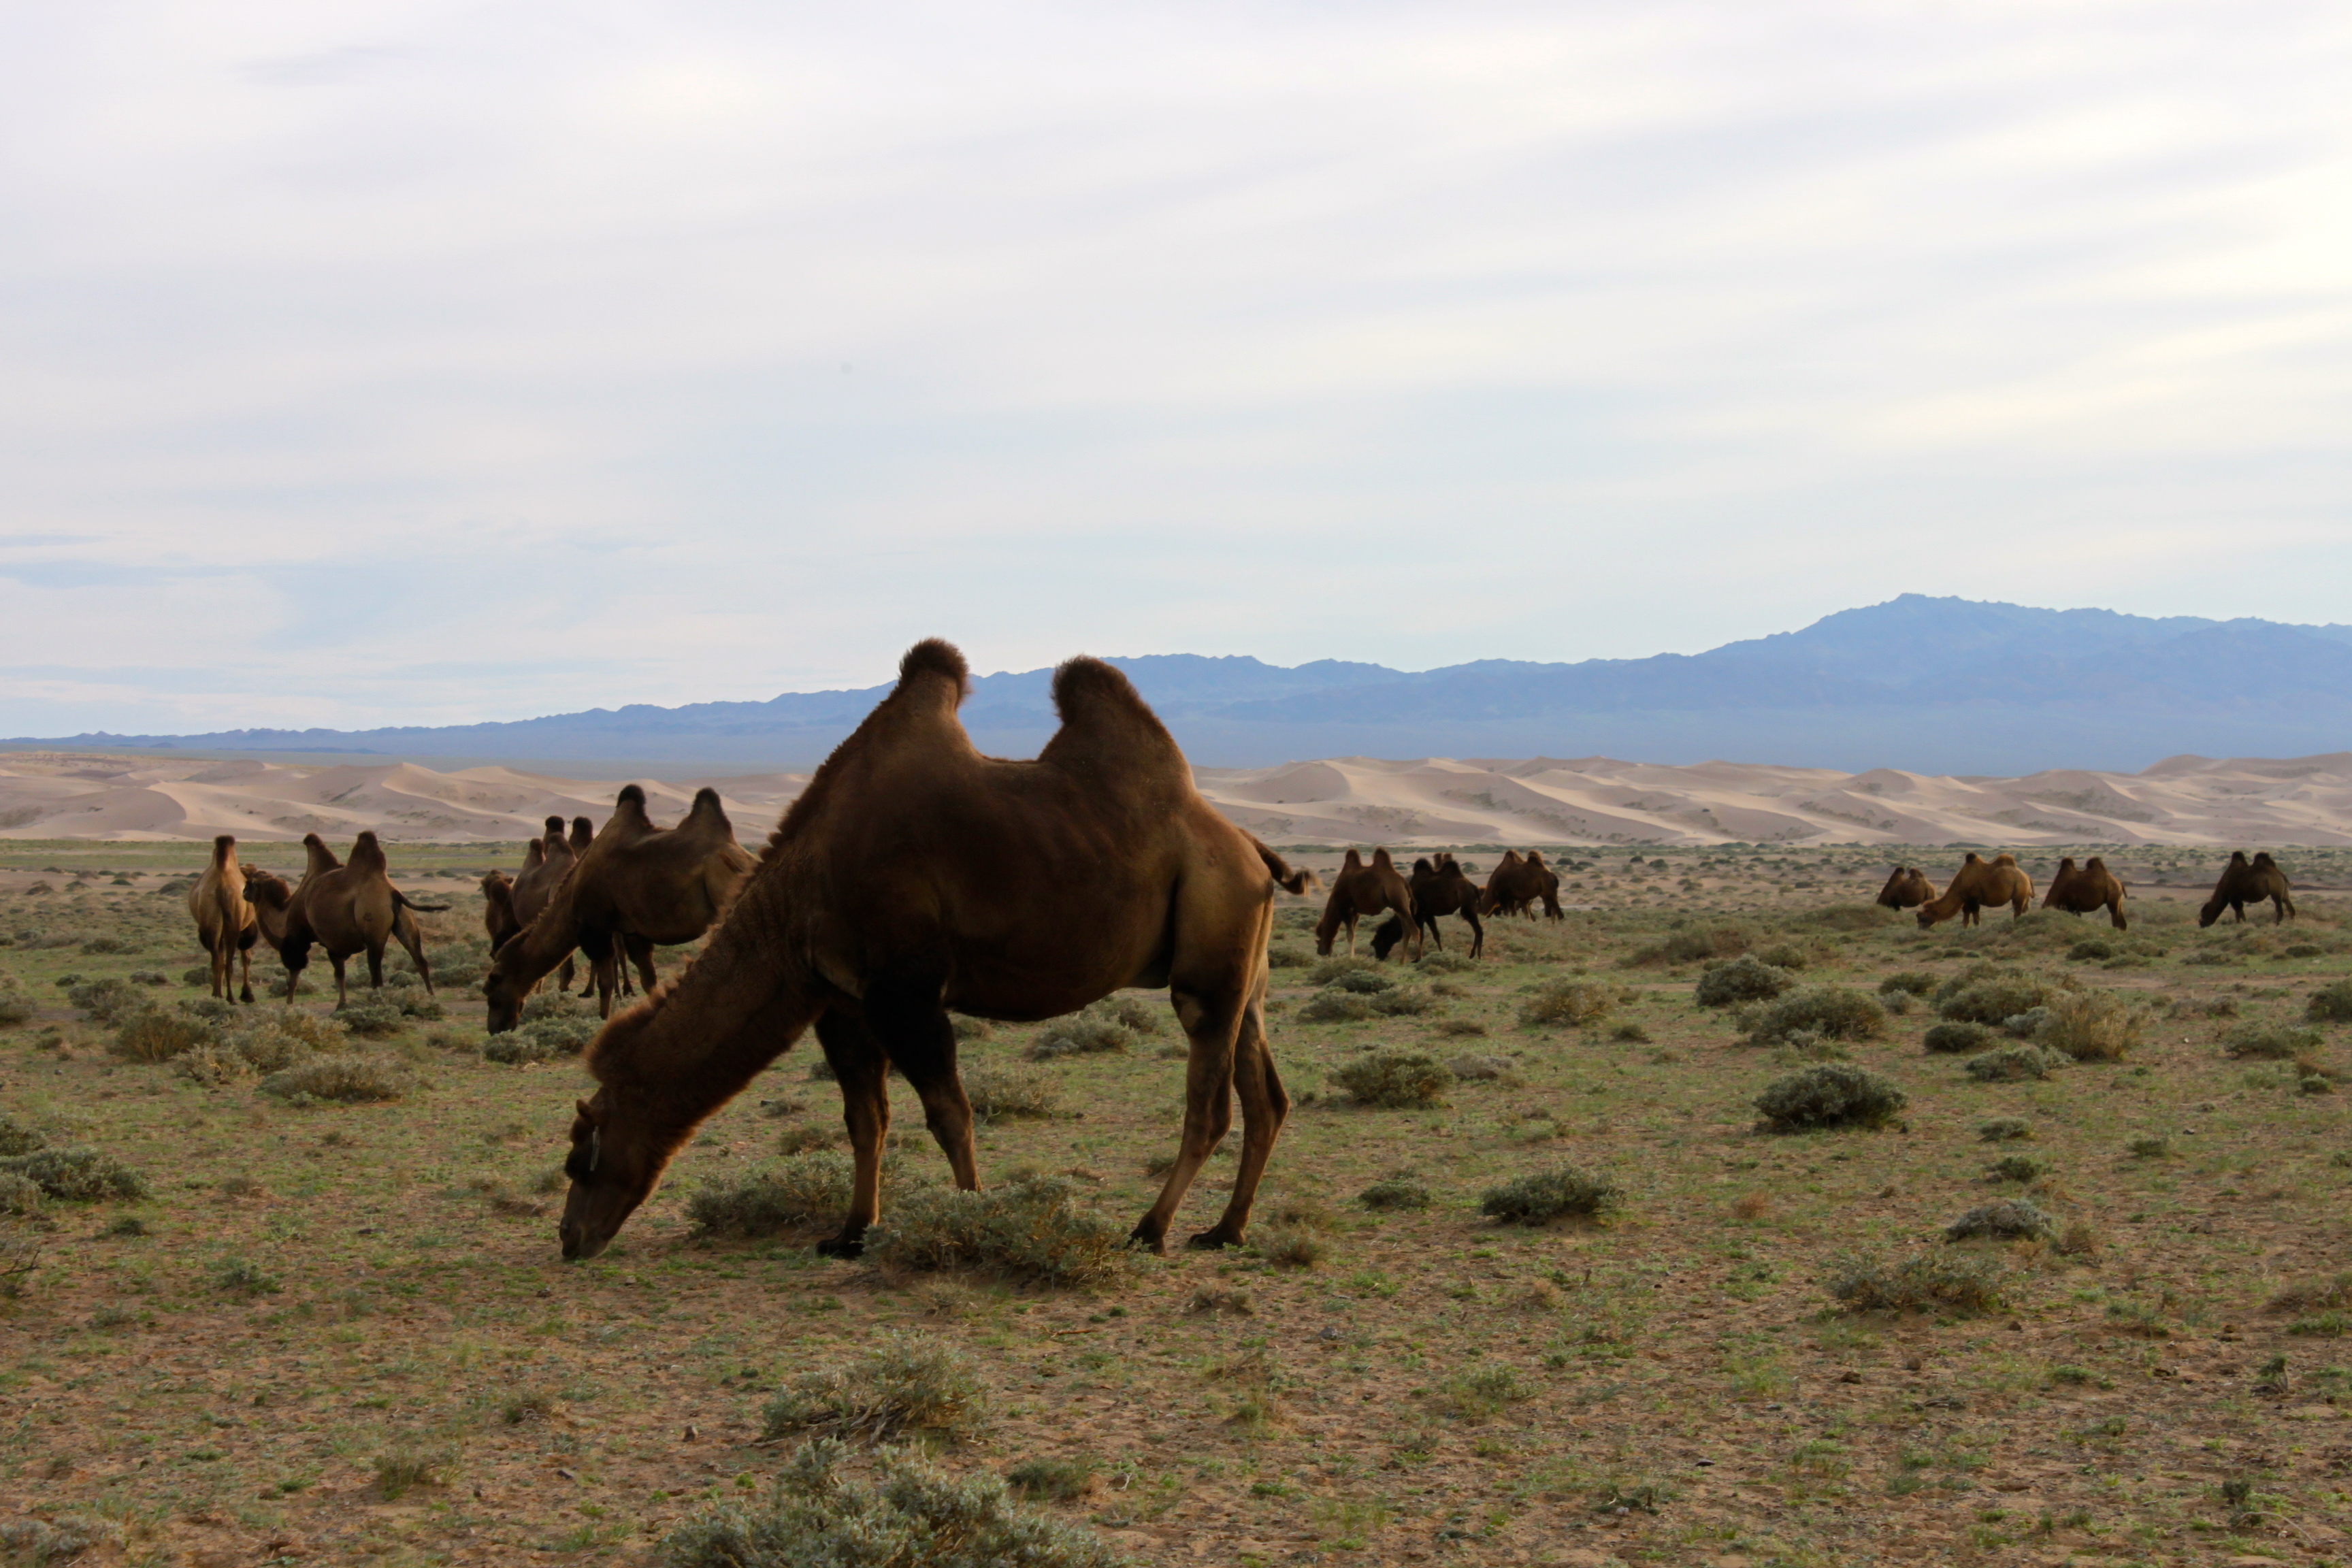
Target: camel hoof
{"x": 842, "y": 1247}
{"x": 1142, "y": 1240}
{"x": 1213, "y": 1241}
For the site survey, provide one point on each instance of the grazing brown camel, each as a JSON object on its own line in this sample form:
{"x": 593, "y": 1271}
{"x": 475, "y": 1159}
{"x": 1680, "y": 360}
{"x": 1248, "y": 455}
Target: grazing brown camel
{"x": 2091, "y": 885}
{"x": 498, "y": 922}
{"x": 546, "y": 862}
{"x": 1439, "y": 887}
{"x": 915, "y": 875}
{"x": 638, "y": 885}
{"x": 1516, "y": 884}
{"x": 2243, "y": 884}
{"x": 1980, "y": 885}
{"x": 1907, "y": 888}
{"x": 225, "y": 921}
{"x": 345, "y": 909}
{"x": 1362, "y": 891}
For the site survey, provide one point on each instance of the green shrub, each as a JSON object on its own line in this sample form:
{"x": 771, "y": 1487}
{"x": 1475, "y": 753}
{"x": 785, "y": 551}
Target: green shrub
{"x": 1445, "y": 961}
{"x": 1404, "y": 1001}
{"x": 1957, "y": 1039}
{"x": 77, "y": 1175}
{"x": 2019, "y": 1168}
{"x": 371, "y": 1020}
{"x": 1400, "y": 1191}
{"x": 1575, "y": 1000}
{"x": 2012, "y": 1064}
{"x": 1288, "y": 1246}
{"x": 156, "y": 1035}
{"x": 543, "y": 1039}
{"x": 1987, "y": 995}
{"x": 423, "y": 1009}
{"x": 1743, "y": 979}
{"x": 17, "y": 1137}
{"x": 1327, "y": 970}
{"x": 2268, "y": 1042}
{"x": 1362, "y": 982}
{"x": 15, "y": 1007}
{"x": 20, "y": 1194}
{"x": 2331, "y": 1004}
{"x": 109, "y": 945}
{"x": 273, "y": 1043}
{"x": 1280, "y": 957}
{"x": 1057, "y": 1480}
{"x": 2150, "y": 1148}
{"x": 1030, "y": 1228}
{"x": 1394, "y": 1079}
{"x": 804, "y": 1192}
{"x": 902, "y": 1386}
{"x": 1823, "y": 1012}
{"x": 1693, "y": 943}
{"x": 1011, "y": 1093}
{"x": 1334, "y": 1006}
{"x": 1488, "y": 1391}
{"x": 1081, "y": 1035}
{"x": 242, "y": 1277}
{"x": 410, "y": 1466}
{"x": 107, "y": 999}
{"x": 351, "y": 1078}
{"x": 2002, "y": 1129}
{"x": 911, "y": 1515}
{"x": 213, "y": 1066}
{"x": 2010, "y": 1219}
{"x": 2090, "y": 1025}
{"x": 1785, "y": 955}
{"x": 1544, "y": 1195}
{"x": 2334, "y": 1294}
{"x": 1910, "y": 981}
{"x": 1934, "y": 1281}
{"x": 2091, "y": 950}
{"x": 1831, "y": 1095}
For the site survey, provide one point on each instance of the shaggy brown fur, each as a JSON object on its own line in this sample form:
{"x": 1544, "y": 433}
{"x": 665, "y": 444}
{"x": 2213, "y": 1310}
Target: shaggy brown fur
{"x": 914, "y": 876}
{"x": 1359, "y": 891}
{"x": 1439, "y": 887}
{"x": 348, "y": 910}
{"x": 1516, "y": 884}
{"x": 270, "y": 895}
{"x": 1980, "y": 885}
{"x": 226, "y": 927}
{"x": 638, "y": 885}
{"x": 2243, "y": 884}
{"x": 2080, "y": 890}
{"x": 1907, "y": 888}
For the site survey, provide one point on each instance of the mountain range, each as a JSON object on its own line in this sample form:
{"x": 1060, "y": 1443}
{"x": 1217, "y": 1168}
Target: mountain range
{"x": 1932, "y": 685}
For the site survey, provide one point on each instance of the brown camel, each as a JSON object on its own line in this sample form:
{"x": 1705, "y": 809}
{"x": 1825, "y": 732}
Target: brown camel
{"x": 1516, "y": 884}
{"x": 1907, "y": 888}
{"x": 498, "y": 920}
{"x": 638, "y": 885}
{"x": 2080, "y": 890}
{"x": 2243, "y": 884}
{"x": 1439, "y": 887}
{"x": 1980, "y": 885}
{"x": 225, "y": 921}
{"x": 914, "y": 876}
{"x": 545, "y": 863}
{"x": 1362, "y": 891}
{"x": 345, "y": 909}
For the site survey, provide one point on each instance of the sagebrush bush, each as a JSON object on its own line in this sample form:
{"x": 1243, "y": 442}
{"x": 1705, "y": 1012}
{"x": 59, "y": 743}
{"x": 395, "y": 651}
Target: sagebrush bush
{"x": 108, "y": 999}
{"x": 1987, "y": 995}
{"x": 1404, "y": 1001}
{"x": 2010, "y": 1219}
{"x": 1910, "y": 981}
{"x": 1394, "y": 1079}
{"x": 1822, "y": 1012}
{"x": 2091, "y": 950}
{"x": 1011, "y": 1093}
{"x": 1575, "y": 1000}
{"x": 1442, "y": 960}
{"x": 157, "y": 1035}
{"x": 213, "y": 1066}
{"x": 404, "y": 1469}
{"x": 109, "y": 945}
{"x": 1949, "y": 1281}
{"x": 18, "y": 1137}
{"x": 15, "y": 1006}
{"x": 1744, "y": 979}
{"x": 2090, "y": 1025}
{"x": 1693, "y": 943}
{"x": 543, "y": 1039}
{"x": 1362, "y": 982}
{"x": 275, "y": 1043}
{"x": 1785, "y": 955}
{"x": 1957, "y": 1039}
{"x": 804, "y": 1192}
{"x": 2012, "y": 1064}
{"x": 77, "y": 1175}
{"x": 901, "y": 1386}
{"x": 2326, "y": 1295}
{"x": 1031, "y": 1229}
{"x": 352, "y": 1078}
{"x": 2004, "y": 1128}
{"x": 1334, "y": 1006}
{"x": 1081, "y": 1035}
{"x": 21, "y": 1196}
{"x": 1327, "y": 970}
{"x": 2019, "y": 1168}
{"x": 1402, "y": 1191}
{"x": 371, "y": 1020}
{"x": 1281, "y": 957}
{"x": 2331, "y": 1004}
{"x": 1831, "y": 1095}
{"x": 2269, "y": 1042}
{"x": 1543, "y": 1196}
{"x": 1059, "y": 1480}
{"x": 910, "y": 1515}
{"x": 1288, "y": 1246}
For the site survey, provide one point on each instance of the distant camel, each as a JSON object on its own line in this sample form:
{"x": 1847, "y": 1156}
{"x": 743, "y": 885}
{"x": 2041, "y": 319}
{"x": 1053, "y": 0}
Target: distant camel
{"x": 498, "y": 922}
{"x": 1518, "y": 881}
{"x": 345, "y": 909}
{"x": 638, "y": 885}
{"x": 545, "y": 863}
{"x": 1439, "y": 887}
{"x": 225, "y": 921}
{"x": 2243, "y": 884}
{"x": 1907, "y": 888}
{"x": 1980, "y": 885}
{"x": 583, "y": 833}
{"x": 1360, "y": 891}
{"x": 2078, "y": 892}
{"x": 913, "y": 875}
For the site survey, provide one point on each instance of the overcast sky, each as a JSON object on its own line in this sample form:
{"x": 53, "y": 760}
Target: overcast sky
{"x": 409, "y": 362}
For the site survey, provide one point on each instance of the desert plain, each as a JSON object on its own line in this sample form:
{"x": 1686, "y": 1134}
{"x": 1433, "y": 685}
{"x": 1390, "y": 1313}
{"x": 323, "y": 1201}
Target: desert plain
{"x": 301, "y": 1327}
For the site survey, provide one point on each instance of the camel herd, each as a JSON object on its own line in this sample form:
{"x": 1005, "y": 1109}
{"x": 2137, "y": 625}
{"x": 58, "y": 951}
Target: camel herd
{"x": 1982, "y": 884}
{"x": 914, "y": 877}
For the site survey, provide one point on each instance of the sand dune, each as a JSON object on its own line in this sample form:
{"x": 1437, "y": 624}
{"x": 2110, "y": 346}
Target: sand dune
{"x": 1346, "y": 800}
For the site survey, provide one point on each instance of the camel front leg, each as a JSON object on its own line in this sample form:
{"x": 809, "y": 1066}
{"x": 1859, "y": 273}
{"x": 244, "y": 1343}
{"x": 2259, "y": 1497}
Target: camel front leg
{"x": 563, "y": 976}
{"x": 1264, "y": 1108}
{"x": 912, "y": 1031}
{"x": 245, "y": 957}
{"x": 641, "y": 954}
{"x": 862, "y": 1072}
{"x": 342, "y": 991}
{"x": 1208, "y": 1111}
{"x": 1477, "y": 931}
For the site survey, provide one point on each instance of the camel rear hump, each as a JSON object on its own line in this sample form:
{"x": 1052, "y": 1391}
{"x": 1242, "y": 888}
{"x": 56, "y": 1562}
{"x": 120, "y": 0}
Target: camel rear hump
{"x": 1103, "y": 716}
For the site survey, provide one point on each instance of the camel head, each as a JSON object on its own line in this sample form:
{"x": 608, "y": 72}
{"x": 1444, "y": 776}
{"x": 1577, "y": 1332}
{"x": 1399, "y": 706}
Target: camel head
{"x": 502, "y": 991}
{"x": 615, "y": 1161}
{"x": 2210, "y": 913}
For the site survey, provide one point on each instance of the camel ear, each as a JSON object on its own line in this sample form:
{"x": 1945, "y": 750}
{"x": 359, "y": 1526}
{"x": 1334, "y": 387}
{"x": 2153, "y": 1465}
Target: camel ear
{"x": 588, "y": 1113}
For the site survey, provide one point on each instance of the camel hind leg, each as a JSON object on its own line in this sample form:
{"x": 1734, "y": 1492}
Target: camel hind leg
{"x": 342, "y": 988}
{"x": 861, "y": 1069}
{"x": 1477, "y": 931}
{"x": 1266, "y": 1106}
{"x": 641, "y": 954}
{"x": 411, "y": 940}
{"x": 1218, "y": 986}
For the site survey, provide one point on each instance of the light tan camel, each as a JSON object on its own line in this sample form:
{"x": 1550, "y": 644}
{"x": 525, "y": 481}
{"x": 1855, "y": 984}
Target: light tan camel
{"x": 1906, "y": 888}
{"x": 1980, "y": 885}
{"x": 638, "y": 885}
{"x": 914, "y": 876}
{"x": 1363, "y": 892}
{"x": 225, "y": 921}
{"x": 2243, "y": 884}
{"x": 345, "y": 909}
{"x": 2080, "y": 890}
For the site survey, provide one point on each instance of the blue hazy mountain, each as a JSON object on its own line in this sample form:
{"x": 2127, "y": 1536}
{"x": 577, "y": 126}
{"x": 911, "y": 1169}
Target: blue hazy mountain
{"x": 1927, "y": 684}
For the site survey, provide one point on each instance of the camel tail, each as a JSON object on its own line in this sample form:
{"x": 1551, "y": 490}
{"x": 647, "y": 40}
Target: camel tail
{"x": 405, "y": 901}
{"x": 1288, "y": 880}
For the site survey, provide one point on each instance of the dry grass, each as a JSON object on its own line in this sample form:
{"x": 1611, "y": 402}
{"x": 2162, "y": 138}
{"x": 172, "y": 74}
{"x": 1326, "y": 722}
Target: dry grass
{"x": 904, "y": 1386}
